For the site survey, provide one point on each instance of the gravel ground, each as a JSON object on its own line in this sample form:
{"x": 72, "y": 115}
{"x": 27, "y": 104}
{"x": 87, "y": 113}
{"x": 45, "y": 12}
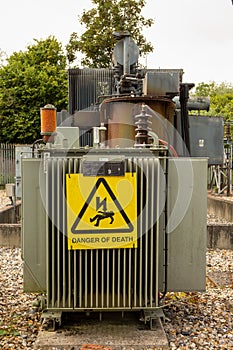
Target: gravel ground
{"x": 204, "y": 320}
{"x": 193, "y": 320}
{"x": 19, "y": 323}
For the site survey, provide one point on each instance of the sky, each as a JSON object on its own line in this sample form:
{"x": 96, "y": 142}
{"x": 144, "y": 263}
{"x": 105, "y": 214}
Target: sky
{"x": 196, "y": 36}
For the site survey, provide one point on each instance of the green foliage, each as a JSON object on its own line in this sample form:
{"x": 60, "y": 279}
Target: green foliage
{"x": 221, "y": 98}
{"x": 107, "y": 16}
{"x": 30, "y": 80}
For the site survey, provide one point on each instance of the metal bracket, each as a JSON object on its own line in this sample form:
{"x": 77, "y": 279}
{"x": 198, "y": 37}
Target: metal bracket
{"x": 50, "y": 319}
{"x": 46, "y": 157}
{"x": 152, "y": 317}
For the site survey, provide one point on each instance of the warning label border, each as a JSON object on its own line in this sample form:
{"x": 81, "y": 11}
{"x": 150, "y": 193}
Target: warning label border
{"x": 123, "y": 234}
{"x": 85, "y": 206}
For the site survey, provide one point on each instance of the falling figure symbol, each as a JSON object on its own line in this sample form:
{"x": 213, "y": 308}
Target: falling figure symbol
{"x": 102, "y": 215}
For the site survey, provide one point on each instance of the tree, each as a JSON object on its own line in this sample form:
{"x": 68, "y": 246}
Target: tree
{"x": 97, "y": 42}
{"x": 221, "y": 98}
{"x": 29, "y": 80}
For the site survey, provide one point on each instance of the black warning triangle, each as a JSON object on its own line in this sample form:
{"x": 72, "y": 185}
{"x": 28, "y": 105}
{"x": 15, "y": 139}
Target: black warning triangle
{"x": 74, "y": 228}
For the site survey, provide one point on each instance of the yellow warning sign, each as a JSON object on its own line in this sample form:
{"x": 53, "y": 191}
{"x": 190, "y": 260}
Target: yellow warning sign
{"x": 101, "y": 211}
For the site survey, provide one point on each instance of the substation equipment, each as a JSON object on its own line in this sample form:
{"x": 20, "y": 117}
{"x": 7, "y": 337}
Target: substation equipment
{"x": 220, "y": 174}
{"x": 113, "y": 206}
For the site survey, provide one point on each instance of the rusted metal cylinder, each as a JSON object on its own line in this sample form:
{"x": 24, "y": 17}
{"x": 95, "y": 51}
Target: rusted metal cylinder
{"x": 48, "y": 115}
{"x": 120, "y": 124}
{"x": 118, "y": 113}
{"x": 48, "y": 120}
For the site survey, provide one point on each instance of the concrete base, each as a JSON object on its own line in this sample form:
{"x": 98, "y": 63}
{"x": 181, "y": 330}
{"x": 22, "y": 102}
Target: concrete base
{"x": 10, "y": 235}
{"x": 10, "y": 214}
{"x": 111, "y": 333}
{"x": 220, "y": 207}
{"x": 220, "y": 236}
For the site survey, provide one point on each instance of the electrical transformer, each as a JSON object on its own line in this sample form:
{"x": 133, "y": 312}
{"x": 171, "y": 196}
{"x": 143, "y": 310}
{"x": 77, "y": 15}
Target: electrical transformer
{"x": 113, "y": 206}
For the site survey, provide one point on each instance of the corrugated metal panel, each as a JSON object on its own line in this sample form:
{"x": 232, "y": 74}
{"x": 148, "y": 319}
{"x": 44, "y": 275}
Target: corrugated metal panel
{"x": 85, "y": 85}
{"x": 103, "y": 279}
{"x": 86, "y": 138}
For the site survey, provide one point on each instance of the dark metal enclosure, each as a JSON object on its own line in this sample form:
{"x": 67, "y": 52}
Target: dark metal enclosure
{"x": 206, "y": 138}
